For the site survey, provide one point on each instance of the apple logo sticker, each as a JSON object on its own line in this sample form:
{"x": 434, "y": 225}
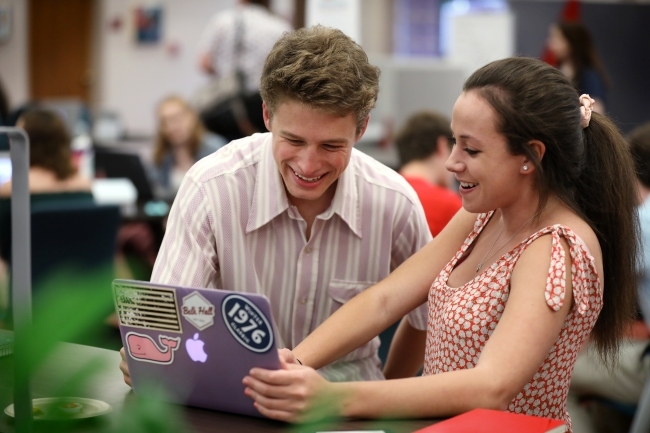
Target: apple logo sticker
{"x": 195, "y": 349}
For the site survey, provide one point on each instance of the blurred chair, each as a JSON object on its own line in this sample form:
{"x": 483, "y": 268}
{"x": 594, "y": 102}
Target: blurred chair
{"x": 81, "y": 236}
{"x": 75, "y": 237}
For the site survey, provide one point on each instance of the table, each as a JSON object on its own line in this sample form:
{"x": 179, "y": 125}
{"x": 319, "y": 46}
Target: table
{"x": 107, "y": 385}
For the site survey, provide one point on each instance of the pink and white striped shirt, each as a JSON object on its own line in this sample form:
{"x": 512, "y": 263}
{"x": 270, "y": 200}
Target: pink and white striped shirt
{"x": 231, "y": 226}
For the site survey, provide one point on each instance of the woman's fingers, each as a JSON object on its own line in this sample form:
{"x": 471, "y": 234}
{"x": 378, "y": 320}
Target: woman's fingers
{"x": 294, "y": 394}
{"x": 276, "y": 414}
{"x": 287, "y": 356}
{"x": 280, "y": 377}
{"x": 287, "y": 404}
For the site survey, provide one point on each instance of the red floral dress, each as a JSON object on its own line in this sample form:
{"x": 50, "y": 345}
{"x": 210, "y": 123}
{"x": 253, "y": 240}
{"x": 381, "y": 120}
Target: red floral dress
{"x": 462, "y": 319}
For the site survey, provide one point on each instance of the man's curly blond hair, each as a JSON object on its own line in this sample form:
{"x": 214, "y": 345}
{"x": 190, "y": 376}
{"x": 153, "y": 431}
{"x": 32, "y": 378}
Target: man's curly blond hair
{"x": 321, "y": 67}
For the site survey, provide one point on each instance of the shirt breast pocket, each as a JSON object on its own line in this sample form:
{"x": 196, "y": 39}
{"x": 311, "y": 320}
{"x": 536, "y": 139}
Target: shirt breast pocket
{"x": 341, "y": 291}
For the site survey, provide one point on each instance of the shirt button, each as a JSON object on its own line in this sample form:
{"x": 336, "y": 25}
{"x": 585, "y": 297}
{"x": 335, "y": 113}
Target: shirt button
{"x": 303, "y": 300}
{"x": 308, "y": 250}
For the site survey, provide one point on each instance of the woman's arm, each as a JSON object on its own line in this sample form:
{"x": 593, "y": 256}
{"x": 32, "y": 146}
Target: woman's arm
{"x": 373, "y": 310}
{"x": 516, "y": 349}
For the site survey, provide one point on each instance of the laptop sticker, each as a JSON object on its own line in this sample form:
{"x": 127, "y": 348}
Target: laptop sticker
{"x": 247, "y": 323}
{"x": 198, "y": 311}
{"x": 143, "y": 348}
{"x": 194, "y": 348}
{"x": 147, "y": 307}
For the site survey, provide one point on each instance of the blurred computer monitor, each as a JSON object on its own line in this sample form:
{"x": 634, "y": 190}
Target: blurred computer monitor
{"x": 5, "y": 167}
{"x": 111, "y": 163}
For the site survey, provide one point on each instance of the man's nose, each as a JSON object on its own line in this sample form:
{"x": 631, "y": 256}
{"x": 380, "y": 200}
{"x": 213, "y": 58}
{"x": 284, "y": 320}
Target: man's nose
{"x": 309, "y": 160}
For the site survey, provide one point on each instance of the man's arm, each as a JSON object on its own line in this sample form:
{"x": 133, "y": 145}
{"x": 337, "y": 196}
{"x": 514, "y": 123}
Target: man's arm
{"x": 212, "y": 36}
{"x": 406, "y": 353}
{"x": 205, "y": 64}
{"x": 188, "y": 254}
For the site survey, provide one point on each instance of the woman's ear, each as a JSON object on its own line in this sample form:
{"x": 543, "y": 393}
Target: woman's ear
{"x": 539, "y": 149}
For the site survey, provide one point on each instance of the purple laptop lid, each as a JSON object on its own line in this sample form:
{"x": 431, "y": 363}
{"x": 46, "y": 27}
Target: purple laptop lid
{"x": 197, "y": 344}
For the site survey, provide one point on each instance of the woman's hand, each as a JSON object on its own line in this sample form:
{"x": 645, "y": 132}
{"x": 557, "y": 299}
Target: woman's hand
{"x": 294, "y": 393}
{"x": 287, "y": 356}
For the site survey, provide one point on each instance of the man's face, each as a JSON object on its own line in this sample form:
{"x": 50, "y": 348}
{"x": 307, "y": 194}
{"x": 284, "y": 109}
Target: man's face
{"x": 311, "y": 149}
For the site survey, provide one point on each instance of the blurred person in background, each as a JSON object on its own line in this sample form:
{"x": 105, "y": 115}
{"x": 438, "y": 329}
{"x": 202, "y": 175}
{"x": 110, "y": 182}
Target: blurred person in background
{"x": 624, "y": 383}
{"x": 423, "y": 145}
{"x": 573, "y": 47}
{"x": 181, "y": 140}
{"x": 50, "y": 157}
{"x": 257, "y": 28}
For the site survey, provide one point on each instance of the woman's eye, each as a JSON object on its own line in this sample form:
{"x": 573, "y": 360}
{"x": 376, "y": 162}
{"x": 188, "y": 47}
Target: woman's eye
{"x": 470, "y": 152}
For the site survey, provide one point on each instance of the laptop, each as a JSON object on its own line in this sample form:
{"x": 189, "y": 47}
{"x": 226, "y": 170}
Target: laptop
{"x": 197, "y": 344}
{"x": 115, "y": 164}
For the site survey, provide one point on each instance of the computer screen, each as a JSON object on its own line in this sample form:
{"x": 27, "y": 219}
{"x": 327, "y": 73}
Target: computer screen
{"x": 5, "y": 167}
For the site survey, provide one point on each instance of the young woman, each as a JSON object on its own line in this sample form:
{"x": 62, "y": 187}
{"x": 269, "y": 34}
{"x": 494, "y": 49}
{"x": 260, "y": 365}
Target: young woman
{"x": 541, "y": 258}
{"x": 181, "y": 140}
{"x": 572, "y": 46}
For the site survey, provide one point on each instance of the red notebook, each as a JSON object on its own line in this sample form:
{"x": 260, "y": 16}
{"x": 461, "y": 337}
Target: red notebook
{"x": 495, "y": 421}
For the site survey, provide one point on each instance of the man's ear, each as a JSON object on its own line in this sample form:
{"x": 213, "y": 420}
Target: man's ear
{"x": 364, "y": 126}
{"x": 266, "y": 113}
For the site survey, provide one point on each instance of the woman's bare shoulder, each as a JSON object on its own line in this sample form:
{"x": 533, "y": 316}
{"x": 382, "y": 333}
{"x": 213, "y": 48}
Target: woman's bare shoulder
{"x": 567, "y": 218}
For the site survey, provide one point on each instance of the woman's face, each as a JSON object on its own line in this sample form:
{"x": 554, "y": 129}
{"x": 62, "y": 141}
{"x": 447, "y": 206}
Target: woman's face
{"x": 557, "y": 43}
{"x": 176, "y": 123}
{"x": 488, "y": 173}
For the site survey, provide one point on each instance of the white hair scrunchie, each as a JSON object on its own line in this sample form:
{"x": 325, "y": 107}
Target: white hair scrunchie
{"x": 586, "y": 107}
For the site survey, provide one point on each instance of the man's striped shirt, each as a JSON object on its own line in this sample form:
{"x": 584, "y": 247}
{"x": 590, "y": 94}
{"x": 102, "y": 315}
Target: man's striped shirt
{"x": 232, "y": 227}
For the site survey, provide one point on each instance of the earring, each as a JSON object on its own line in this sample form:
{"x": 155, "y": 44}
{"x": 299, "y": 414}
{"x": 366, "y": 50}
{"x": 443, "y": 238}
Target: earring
{"x": 525, "y": 167}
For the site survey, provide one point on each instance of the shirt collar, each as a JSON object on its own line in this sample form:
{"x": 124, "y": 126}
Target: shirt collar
{"x": 270, "y": 197}
{"x": 346, "y": 199}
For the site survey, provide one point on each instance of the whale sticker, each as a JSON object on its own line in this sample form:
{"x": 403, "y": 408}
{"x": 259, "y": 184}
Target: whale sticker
{"x": 143, "y": 348}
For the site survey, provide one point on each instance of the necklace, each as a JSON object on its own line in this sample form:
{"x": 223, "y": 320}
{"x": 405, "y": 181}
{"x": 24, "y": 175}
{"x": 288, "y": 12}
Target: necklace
{"x": 480, "y": 264}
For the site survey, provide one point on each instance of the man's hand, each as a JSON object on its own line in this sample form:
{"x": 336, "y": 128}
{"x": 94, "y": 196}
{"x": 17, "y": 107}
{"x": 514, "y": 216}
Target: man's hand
{"x": 125, "y": 368}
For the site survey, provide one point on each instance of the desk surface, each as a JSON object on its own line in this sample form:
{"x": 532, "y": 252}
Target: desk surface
{"x": 109, "y": 387}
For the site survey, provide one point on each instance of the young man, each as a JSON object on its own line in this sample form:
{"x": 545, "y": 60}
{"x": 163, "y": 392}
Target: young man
{"x": 423, "y": 146}
{"x": 298, "y": 214}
